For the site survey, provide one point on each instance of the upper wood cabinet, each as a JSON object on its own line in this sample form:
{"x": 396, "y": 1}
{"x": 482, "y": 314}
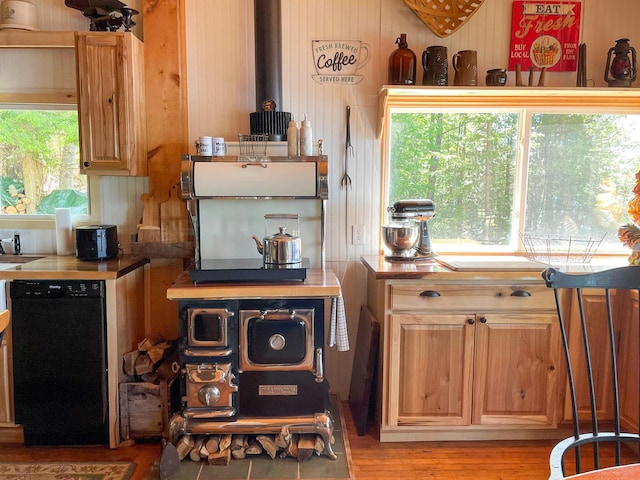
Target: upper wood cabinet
{"x": 111, "y": 103}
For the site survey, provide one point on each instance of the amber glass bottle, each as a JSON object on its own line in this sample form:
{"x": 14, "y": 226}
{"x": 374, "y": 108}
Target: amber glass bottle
{"x": 402, "y": 63}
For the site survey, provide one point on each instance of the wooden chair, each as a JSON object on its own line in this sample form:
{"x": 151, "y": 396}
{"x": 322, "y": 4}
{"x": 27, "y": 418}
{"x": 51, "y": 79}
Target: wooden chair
{"x": 4, "y": 323}
{"x": 599, "y": 314}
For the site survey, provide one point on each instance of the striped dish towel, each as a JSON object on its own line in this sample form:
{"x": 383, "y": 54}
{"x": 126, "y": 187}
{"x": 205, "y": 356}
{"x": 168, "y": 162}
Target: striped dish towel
{"x": 338, "y": 335}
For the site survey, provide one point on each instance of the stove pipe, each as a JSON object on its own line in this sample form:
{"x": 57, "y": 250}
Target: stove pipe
{"x": 268, "y": 65}
{"x": 268, "y": 49}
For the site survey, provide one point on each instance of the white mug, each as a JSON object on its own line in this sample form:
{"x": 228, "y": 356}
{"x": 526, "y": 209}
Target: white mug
{"x": 204, "y": 146}
{"x": 219, "y": 147}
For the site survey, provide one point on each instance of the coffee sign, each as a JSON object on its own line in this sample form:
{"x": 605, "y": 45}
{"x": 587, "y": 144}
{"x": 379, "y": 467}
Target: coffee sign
{"x": 545, "y": 34}
{"x": 337, "y": 61}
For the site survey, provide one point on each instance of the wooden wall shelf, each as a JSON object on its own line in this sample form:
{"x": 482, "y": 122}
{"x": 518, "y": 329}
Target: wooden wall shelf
{"x": 39, "y": 39}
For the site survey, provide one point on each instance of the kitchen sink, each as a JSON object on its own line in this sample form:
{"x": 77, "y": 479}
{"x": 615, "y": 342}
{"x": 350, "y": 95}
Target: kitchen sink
{"x": 4, "y": 259}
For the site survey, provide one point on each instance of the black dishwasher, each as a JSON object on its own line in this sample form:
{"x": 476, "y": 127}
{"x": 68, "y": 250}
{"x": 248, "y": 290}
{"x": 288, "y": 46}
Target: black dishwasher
{"x": 60, "y": 361}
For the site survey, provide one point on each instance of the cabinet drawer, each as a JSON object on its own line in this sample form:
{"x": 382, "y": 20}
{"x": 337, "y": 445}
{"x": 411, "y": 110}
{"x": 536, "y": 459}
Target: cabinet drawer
{"x": 474, "y": 298}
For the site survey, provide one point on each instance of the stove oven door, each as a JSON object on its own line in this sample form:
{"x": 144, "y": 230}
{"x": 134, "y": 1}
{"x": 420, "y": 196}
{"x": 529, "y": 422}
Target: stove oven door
{"x": 281, "y": 359}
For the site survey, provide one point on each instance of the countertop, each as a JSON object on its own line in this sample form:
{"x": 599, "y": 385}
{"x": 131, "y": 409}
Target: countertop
{"x": 318, "y": 284}
{"x": 384, "y": 269}
{"x": 70, "y": 268}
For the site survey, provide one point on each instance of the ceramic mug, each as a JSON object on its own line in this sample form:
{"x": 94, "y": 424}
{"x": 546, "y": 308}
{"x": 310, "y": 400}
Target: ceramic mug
{"x": 465, "y": 64}
{"x": 220, "y": 149}
{"x": 204, "y": 146}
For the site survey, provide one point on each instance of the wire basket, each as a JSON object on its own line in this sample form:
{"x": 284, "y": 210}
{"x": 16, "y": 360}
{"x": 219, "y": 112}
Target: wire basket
{"x": 556, "y": 249}
{"x": 253, "y": 147}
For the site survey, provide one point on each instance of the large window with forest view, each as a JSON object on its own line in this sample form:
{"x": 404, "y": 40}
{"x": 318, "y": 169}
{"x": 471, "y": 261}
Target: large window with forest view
{"x": 500, "y": 175}
{"x": 39, "y": 162}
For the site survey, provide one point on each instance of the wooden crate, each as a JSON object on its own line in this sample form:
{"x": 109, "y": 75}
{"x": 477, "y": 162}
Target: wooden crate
{"x": 146, "y": 408}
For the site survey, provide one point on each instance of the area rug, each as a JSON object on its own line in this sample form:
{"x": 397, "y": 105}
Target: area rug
{"x": 67, "y": 471}
{"x": 262, "y": 467}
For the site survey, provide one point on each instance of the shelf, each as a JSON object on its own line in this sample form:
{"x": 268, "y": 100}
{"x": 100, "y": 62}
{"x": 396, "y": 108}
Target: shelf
{"x": 502, "y": 97}
{"x": 37, "y": 39}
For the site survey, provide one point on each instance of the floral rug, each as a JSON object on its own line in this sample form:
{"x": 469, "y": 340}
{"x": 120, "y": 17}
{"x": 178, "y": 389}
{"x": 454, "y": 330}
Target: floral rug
{"x": 67, "y": 471}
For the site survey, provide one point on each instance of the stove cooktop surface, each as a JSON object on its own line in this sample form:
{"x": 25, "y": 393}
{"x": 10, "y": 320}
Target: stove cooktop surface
{"x": 222, "y": 270}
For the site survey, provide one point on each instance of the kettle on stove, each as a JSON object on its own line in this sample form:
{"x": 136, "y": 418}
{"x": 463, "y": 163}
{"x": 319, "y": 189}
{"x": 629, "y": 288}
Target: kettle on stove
{"x": 281, "y": 248}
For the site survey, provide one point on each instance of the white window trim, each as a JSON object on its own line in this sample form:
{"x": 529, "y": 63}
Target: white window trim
{"x": 526, "y": 100}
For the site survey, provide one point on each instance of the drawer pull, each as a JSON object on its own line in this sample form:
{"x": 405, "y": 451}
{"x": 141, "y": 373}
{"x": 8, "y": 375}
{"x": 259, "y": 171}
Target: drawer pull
{"x": 520, "y": 293}
{"x": 430, "y": 293}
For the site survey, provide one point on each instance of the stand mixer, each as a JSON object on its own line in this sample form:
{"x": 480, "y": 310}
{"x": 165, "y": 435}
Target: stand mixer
{"x": 407, "y": 236}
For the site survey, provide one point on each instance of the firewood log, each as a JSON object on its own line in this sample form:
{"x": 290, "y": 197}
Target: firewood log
{"x": 254, "y": 448}
{"x": 283, "y": 438}
{"x": 268, "y": 444}
{"x": 225, "y": 441}
{"x": 213, "y": 443}
{"x": 221, "y": 457}
{"x": 306, "y": 444}
{"x": 239, "y": 442}
{"x": 194, "y": 454}
{"x": 239, "y": 454}
{"x": 184, "y": 445}
{"x": 143, "y": 364}
{"x": 129, "y": 362}
{"x": 318, "y": 446}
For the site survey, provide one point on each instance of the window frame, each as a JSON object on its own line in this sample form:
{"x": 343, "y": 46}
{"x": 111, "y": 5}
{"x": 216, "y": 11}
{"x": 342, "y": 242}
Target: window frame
{"x": 44, "y": 100}
{"x": 527, "y": 100}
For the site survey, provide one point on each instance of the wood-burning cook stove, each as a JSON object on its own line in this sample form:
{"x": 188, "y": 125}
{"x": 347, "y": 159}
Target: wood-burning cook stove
{"x": 251, "y": 351}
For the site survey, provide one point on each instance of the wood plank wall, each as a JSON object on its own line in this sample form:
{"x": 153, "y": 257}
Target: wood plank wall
{"x": 219, "y": 95}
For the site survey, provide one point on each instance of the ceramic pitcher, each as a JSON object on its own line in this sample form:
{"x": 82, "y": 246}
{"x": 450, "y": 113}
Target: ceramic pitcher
{"x": 435, "y": 66}
{"x": 465, "y": 64}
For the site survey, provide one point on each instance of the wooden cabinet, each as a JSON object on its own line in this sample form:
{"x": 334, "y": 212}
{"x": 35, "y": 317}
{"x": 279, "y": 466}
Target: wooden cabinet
{"x": 628, "y": 362}
{"x": 467, "y": 359}
{"x": 111, "y": 103}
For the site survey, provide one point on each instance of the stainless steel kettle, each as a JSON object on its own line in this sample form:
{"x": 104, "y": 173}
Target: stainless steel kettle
{"x": 281, "y": 248}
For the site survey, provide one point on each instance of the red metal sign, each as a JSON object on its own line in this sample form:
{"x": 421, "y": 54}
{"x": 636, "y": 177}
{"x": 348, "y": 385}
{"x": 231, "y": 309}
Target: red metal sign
{"x": 545, "y": 34}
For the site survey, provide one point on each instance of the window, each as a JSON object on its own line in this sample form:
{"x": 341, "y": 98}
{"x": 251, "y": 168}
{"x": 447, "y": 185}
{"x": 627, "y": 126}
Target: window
{"x": 500, "y": 174}
{"x": 39, "y": 161}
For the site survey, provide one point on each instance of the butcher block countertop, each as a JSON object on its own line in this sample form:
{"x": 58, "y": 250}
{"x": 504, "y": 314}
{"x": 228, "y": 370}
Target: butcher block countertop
{"x": 477, "y": 268}
{"x": 70, "y": 268}
{"x": 318, "y": 284}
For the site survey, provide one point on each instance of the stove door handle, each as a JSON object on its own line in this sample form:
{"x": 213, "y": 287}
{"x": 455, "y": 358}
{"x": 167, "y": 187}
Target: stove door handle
{"x": 319, "y": 373}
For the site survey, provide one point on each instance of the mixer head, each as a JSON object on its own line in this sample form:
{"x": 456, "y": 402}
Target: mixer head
{"x": 416, "y": 209}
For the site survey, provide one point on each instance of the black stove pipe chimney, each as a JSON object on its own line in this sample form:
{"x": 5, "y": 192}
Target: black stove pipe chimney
{"x": 268, "y": 48}
{"x": 267, "y": 119}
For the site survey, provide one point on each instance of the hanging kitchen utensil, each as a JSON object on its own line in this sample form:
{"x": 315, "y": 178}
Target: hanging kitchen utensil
{"x": 346, "y": 179}
{"x": 444, "y": 17}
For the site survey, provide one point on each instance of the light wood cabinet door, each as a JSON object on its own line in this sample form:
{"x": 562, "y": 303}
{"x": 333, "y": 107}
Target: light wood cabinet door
{"x": 516, "y": 370}
{"x": 430, "y": 370}
{"x": 628, "y": 362}
{"x": 595, "y": 308}
{"x": 5, "y": 390}
{"x": 111, "y": 103}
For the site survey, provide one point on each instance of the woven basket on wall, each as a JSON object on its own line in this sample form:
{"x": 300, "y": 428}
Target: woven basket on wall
{"x": 444, "y": 17}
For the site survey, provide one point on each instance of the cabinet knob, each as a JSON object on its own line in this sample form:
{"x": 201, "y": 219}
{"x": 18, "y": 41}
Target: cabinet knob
{"x": 471, "y": 321}
{"x": 430, "y": 293}
{"x": 483, "y": 320}
{"x": 520, "y": 293}
{"x": 86, "y": 164}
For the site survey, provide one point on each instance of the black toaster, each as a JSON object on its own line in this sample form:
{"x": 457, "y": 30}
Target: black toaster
{"x": 96, "y": 242}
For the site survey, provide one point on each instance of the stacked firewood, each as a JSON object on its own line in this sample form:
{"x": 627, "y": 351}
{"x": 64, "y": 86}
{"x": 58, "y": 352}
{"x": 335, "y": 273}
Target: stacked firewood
{"x": 219, "y": 449}
{"x": 155, "y": 360}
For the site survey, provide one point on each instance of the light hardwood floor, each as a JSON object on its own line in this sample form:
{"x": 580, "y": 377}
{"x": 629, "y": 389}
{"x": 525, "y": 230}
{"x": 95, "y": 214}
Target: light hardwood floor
{"x": 372, "y": 460}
